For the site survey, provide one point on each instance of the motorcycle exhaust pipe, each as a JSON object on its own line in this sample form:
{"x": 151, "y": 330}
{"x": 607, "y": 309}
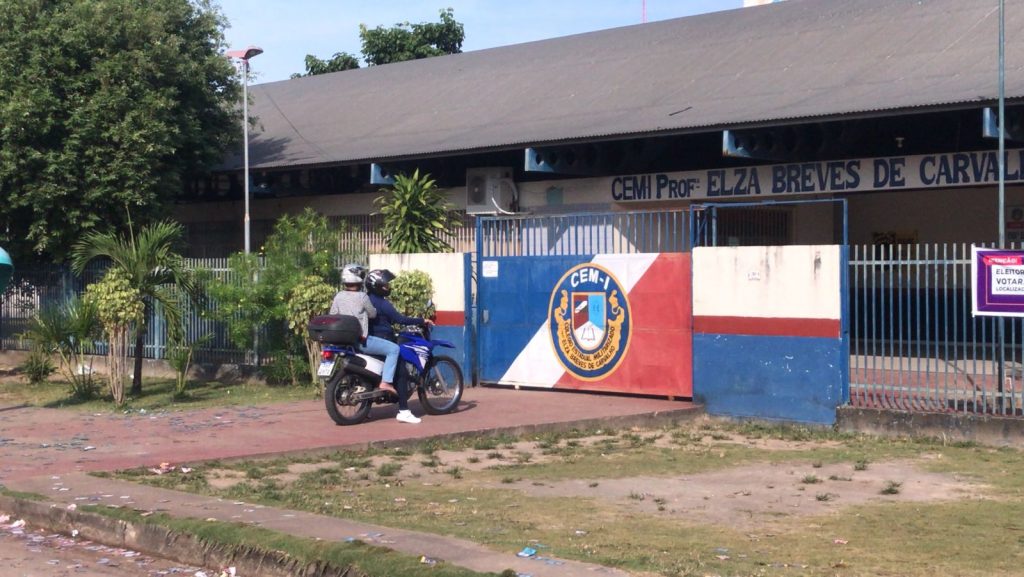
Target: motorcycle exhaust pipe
{"x": 369, "y": 375}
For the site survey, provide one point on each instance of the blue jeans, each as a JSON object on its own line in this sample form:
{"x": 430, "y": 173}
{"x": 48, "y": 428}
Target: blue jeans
{"x": 378, "y": 346}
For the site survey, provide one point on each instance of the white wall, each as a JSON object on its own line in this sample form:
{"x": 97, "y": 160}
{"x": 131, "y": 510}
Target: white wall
{"x": 446, "y": 272}
{"x": 797, "y": 281}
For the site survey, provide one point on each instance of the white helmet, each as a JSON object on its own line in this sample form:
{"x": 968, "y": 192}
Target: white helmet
{"x": 352, "y": 274}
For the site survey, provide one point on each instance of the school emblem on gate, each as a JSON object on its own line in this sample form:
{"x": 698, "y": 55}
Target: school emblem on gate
{"x": 589, "y": 321}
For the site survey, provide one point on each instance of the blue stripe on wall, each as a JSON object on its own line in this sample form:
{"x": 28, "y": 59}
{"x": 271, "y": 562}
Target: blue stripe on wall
{"x": 783, "y": 378}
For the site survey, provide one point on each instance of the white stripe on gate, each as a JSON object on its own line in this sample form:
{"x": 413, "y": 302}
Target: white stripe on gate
{"x": 536, "y": 365}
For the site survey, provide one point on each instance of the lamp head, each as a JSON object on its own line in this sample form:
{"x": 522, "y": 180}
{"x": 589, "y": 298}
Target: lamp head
{"x": 246, "y": 53}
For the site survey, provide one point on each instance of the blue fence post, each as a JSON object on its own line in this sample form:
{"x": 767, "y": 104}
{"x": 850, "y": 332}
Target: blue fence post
{"x": 469, "y": 314}
{"x": 474, "y": 365}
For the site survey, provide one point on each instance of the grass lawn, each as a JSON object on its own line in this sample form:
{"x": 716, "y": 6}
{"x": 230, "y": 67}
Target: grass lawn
{"x": 157, "y": 394}
{"x": 706, "y": 498}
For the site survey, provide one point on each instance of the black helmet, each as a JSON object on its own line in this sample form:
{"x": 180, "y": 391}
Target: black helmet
{"x": 378, "y": 282}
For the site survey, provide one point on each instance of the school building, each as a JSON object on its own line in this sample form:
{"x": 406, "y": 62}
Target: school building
{"x": 867, "y": 125}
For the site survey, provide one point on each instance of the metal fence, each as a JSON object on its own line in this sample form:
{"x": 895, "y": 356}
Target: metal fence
{"x": 583, "y": 234}
{"x": 365, "y": 231}
{"x": 216, "y": 239}
{"x": 915, "y": 345}
{"x": 34, "y": 289}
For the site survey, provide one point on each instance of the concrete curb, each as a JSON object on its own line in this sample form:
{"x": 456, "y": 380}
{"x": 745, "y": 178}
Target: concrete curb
{"x": 158, "y": 541}
{"x": 991, "y": 430}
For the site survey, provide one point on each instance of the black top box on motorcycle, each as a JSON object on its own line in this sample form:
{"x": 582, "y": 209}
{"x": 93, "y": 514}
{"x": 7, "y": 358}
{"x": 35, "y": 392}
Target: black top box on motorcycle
{"x": 336, "y": 329}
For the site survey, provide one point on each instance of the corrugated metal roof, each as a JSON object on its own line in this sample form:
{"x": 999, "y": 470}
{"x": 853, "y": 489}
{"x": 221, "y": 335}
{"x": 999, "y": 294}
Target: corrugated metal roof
{"x": 797, "y": 59}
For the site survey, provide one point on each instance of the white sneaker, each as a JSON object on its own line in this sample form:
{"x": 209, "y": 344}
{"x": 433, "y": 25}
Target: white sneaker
{"x": 407, "y": 417}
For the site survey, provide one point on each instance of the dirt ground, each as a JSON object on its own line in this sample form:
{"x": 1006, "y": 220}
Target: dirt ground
{"x": 744, "y": 498}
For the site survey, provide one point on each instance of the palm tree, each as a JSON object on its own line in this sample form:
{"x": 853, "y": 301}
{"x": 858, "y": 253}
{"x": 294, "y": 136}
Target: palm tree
{"x": 153, "y": 267}
{"x": 417, "y": 215}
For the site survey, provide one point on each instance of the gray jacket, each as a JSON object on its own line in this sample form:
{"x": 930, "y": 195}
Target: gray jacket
{"x": 354, "y": 303}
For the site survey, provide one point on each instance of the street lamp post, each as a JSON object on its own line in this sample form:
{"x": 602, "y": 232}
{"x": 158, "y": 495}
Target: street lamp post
{"x": 244, "y": 56}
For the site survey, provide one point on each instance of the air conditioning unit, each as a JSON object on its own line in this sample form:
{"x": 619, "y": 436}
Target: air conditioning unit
{"x": 489, "y": 190}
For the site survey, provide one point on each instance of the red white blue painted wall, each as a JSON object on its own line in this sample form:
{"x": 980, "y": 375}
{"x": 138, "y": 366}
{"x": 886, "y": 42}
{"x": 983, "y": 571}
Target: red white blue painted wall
{"x": 607, "y": 322}
{"x": 769, "y": 335}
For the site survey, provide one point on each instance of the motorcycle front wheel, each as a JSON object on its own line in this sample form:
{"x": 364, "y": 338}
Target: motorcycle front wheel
{"x": 441, "y": 388}
{"x": 338, "y": 398}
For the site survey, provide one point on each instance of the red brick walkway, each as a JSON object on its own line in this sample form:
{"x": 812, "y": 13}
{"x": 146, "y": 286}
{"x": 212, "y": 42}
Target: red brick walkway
{"x": 45, "y": 441}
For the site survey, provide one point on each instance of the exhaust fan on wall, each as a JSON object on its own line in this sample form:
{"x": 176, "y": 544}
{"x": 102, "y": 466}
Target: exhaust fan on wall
{"x": 489, "y": 190}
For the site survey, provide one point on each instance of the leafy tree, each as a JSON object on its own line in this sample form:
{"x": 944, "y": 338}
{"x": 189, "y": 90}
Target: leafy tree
{"x": 103, "y": 104}
{"x": 152, "y": 266}
{"x": 243, "y": 304}
{"x": 311, "y": 297}
{"x": 405, "y": 41}
{"x": 417, "y": 217}
{"x": 340, "y": 61}
{"x": 119, "y": 307}
{"x": 254, "y": 297}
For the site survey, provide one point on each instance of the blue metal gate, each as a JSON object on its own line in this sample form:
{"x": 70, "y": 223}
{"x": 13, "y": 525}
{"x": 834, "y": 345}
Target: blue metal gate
{"x": 518, "y": 263}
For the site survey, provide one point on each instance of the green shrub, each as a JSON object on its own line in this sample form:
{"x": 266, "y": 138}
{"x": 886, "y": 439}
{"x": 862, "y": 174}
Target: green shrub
{"x": 66, "y": 330}
{"x": 252, "y": 298}
{"x": 285, "y": 368}
{"x": 179, "y": 356}
{"x": 38, "y": 366}
{"x": 310, "y": 297}
{"x": 411, "y": 293}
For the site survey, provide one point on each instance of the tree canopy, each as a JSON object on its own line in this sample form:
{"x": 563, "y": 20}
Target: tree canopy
{"x": 403, "y": 41}
{"x": 105, "y": 105}
{"x": 340, "y": 61}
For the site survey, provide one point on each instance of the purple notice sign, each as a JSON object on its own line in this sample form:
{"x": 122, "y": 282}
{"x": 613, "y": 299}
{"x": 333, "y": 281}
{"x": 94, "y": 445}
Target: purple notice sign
{"x": 998, "y": 282}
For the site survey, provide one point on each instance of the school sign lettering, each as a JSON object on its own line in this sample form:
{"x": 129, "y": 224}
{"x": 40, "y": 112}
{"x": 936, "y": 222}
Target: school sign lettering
{"x": 836, "y": 176}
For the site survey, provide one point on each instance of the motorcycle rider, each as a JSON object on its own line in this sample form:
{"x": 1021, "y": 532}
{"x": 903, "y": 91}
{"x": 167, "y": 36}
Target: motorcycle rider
{"x": 351, "y": 300}
{"x": 378, "y": 286}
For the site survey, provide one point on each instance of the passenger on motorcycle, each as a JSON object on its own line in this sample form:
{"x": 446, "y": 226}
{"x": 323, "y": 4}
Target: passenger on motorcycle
{"x": 378, "y": 286}
{"x": 352, "y": 301}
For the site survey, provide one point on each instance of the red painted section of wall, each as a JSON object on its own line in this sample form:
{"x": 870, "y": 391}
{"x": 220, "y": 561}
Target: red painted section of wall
{"x": 660, "y": 356}
{"x": 768, "y": 327}
{"x": 450, "y": 318}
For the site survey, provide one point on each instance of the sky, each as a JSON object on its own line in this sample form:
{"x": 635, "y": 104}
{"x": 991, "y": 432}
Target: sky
{"x": 289, "y": 30}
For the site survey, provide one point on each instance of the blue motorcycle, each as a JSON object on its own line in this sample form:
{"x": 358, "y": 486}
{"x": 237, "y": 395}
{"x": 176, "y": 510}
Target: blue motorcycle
{"x": 352, "y": 378}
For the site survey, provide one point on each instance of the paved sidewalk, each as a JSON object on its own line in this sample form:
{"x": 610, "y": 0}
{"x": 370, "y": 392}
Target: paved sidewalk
{"x": 49, "y": 452}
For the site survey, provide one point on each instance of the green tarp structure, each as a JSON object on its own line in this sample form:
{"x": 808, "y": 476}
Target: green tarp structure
{"x": 6, "y": 269}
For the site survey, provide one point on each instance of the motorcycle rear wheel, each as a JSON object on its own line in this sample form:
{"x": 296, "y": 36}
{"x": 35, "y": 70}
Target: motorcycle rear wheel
{"x": 338, "y": 399}
{"x": 442, "y": 386}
